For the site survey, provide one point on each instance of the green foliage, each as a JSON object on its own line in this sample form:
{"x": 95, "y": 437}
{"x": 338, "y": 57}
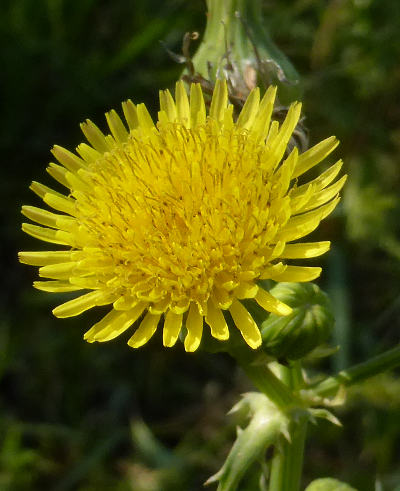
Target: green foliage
{"x": 19, "y": 466}
{"x": 267, "y": 424}
{"x": 374, "y": 225}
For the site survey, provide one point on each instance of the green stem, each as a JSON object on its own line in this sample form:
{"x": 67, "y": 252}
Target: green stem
{"x": 353, "y": 375}
{"x": 270, "y": 385}
{"x": 236, "y": 43}
{"x": 287, "y": 463}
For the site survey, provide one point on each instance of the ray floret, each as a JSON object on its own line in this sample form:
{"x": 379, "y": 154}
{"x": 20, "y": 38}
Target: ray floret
{"x": 173, "y": 224}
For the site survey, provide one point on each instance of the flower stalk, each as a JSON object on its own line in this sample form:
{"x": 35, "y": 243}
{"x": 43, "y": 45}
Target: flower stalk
{"x": 270, "y": 385}
{"x": 287, "y": 463}
{"x": 358, "y": 373}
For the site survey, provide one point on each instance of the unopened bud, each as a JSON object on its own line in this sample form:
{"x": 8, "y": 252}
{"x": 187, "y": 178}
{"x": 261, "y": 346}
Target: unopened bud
{"x": 329, "y": 484}
{"x": 308, "y": 326}
{"x": 237, "y": 46}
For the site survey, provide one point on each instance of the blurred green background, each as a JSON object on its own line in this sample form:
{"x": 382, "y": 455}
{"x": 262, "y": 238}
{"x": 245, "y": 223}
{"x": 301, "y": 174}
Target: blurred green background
{"x": 75, "y": 416}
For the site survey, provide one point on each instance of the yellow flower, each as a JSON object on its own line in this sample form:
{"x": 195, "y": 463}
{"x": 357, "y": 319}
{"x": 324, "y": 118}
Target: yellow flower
{"x": 176, "y": 223}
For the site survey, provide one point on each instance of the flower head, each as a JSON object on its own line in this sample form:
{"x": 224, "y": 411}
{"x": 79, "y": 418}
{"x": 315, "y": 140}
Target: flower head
{"x": 176, "y": 223}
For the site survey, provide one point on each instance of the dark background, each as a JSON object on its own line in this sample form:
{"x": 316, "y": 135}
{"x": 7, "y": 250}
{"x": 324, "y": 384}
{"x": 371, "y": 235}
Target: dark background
{"x": 86, "y": 417}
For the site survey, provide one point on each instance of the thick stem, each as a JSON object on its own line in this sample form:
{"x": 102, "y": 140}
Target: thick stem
{"x": 353, "y": 375}
{"x": 270, "y": 385}
{"x": 287, "y": 463}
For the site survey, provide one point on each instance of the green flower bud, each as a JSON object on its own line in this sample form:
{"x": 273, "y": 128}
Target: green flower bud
{"x": 237, "y": 45}
{"x": 329, "y": 484}
{"x": 308, "y": 326}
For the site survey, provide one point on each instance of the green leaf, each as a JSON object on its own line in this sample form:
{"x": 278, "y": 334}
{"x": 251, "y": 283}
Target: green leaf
{"x": 266, "y": 425}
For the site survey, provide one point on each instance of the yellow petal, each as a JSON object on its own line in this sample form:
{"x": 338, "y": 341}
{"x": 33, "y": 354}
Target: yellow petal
{"x": 315, "y": 155}
{"x": 81, "y": 304}
{"x": 172, "y": 328}
{"x": 160, "y": 306}
{"x": 273, "y": 270}
{"x": 167, "y": 105}
{"x": 57, "y": 172}
{"x": 284, "y": 174}
{"x": 298, "y": 201}
{"x": 329, "y": 175}
{"x": 246, "y": 324}
{"x": 277, "y": 250}
{"x": 182, "y": 104}
{"x": 130, "y": 114}
{"x": 298, "y": 274}
{"x": 246, "y": 290}
{"x": 56, "y": 286}
{"x": 290, "y": 122}
{"x": 144, "y": 118}
{"x": 305, "y": 250}
{"x": 222, "y": 297}
{"x": 325, "y": 195}
{"x": 228, "y": 118}
{"x": 88, "y": 153}
{"x": 60, "y": 203}
{"x": 250, "y": 109}
{"x": 272, "y": 304}
{"x": 180, "y": 307}
{"x": 162, "y": 118}
{"x": 145, "y": 331}
{"x": 262, "y": 121}
{"x": 67, "y": 159}
{"x": 216, "y": 320}
{"x": 219, "y": 101}
{"x": 114, "y": 324}
{"x": 76, "y": 183}
{"x": 197, "y": 106}
{"x": 42, "y": 258}
{"x": 301, "y": 225}
{"x": 117, "y": 127}
{"x": 273, "y": 131}
{"x": 61, "y": 271}
{"x": 194, "y": 326}
{"x": 319, "y": 182}
{"x": 48, "y": 234}
{"x": 38, "y": 215}
{"x": 96, "y": 262}
{"x": 85, "y": 282}
{"x": 279, "y": 142}
{"x": 41, "y": 190}
{"x": 125, "y": 303}
{"x": 94, "y": 136}
{"x": 47, "y": 218}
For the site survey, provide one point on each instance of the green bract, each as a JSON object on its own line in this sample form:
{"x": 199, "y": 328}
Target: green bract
{"x": 234, "y": 28}
{"x": 308, "y": 326}
{"x": 267, "y": 424}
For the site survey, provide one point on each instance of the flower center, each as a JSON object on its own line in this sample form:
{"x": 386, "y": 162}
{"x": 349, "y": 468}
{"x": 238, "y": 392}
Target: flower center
{"x": 181, "y": 214}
